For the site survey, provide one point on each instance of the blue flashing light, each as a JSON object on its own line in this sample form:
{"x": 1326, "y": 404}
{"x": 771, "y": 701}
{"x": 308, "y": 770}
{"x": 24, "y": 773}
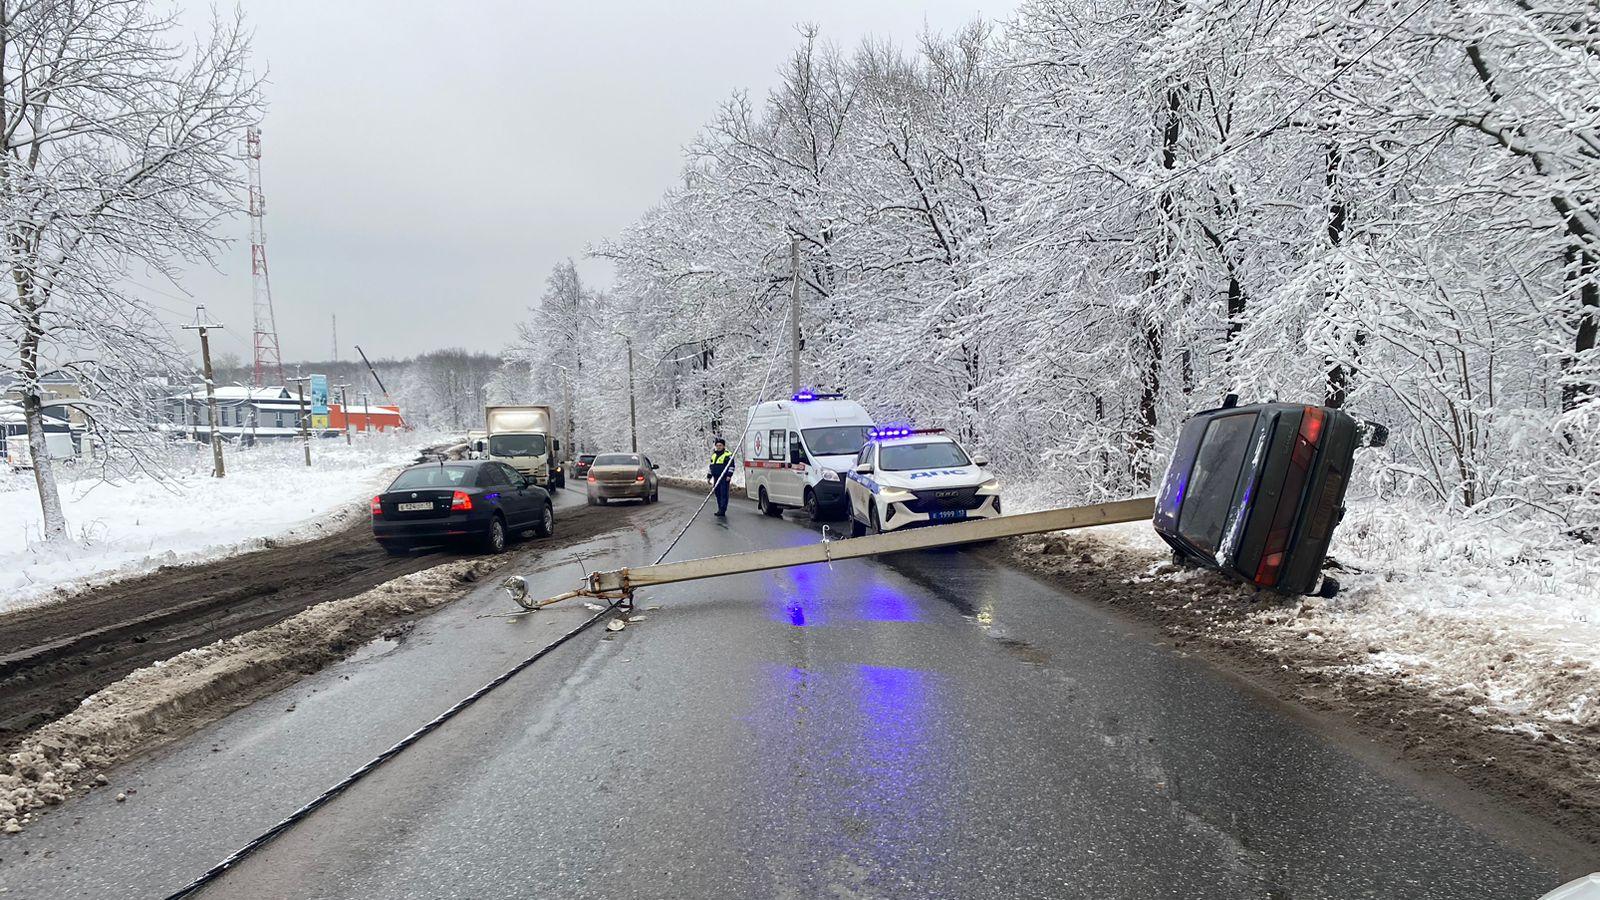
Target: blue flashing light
{"x": 897, "y": 431}
{"x": 808, "y": 396}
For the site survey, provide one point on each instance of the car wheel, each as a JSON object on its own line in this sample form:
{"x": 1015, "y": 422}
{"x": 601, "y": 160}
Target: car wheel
{"x": 599, "y": 501}
{"x": 767, "y": 507}
{"x": 813, "y": 508}
{"x": 495, "y": 540}
{"x": 858, "y": 528}
{"x": 655, "y": 495}
{"x": 547, "y": 522}
{"x": 872, "y": 519}
{"x": 589, "y": 500}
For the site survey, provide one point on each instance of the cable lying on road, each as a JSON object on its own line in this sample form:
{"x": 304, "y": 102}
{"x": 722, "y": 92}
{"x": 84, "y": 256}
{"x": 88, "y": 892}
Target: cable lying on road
{"x": 289, "y": 821}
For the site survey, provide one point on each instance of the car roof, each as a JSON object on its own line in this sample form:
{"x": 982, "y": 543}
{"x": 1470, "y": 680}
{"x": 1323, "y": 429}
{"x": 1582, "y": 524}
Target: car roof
{"x": 815, "y": 413}
{"x": 915, "y": 439}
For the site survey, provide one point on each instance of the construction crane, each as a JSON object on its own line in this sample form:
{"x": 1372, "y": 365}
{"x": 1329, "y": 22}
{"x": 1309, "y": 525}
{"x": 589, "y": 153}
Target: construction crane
{"x": 386, "y": 398}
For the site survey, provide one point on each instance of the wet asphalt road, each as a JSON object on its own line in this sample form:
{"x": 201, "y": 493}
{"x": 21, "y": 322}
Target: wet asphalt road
{"x": 933, "y": 725}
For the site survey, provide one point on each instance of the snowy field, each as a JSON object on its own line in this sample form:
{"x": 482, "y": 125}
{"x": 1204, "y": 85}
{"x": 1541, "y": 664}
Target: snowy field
{"x": 127, "y": 528}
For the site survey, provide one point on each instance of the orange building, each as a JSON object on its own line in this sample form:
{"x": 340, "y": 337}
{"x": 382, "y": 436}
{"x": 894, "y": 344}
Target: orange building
{"x": 365, "y": 418}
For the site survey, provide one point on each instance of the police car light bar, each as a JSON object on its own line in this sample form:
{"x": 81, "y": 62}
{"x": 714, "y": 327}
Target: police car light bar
{"x": 883, "y": 434}
{"x": 808, "y": 396}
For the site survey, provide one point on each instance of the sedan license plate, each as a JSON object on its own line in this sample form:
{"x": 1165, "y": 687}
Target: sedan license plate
{"x": 947, "y": 515}
{"x": 415, "y": 507}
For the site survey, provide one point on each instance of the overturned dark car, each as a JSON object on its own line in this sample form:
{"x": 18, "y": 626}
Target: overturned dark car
{"x": 1255, "y": 491}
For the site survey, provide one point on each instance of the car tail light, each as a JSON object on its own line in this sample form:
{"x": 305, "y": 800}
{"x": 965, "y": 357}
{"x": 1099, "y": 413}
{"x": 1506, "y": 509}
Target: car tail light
{"x": 377, "y": 506}
{"x": 593, "y": 479}
{"x": 1294, "y": 482}
{"x": 1311, "y": 424}
{"x": 460, "y": 501}
{"x": 639, "y": 480}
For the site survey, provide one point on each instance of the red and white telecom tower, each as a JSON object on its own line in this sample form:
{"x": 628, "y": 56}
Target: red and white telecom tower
{"x": 268, "y": 361}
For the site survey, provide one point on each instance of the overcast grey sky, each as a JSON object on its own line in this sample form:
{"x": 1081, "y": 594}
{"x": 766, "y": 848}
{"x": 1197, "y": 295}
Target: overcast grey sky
{"x": 425, "y": 164}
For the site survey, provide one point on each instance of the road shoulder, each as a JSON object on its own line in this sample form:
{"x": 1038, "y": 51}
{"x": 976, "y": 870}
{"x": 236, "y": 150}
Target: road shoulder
{"x": 1272, "y": 643}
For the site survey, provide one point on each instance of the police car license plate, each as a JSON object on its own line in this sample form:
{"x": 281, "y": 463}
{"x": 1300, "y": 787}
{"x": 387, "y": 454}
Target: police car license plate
{"x": 414, "y": 507}
{"x": 946, "y": 515}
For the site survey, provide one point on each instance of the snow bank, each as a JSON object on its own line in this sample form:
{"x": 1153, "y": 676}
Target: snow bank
{"x": 1502, "y": 617}
{"x": 133, "y": 527}
{"x": 1497, "y": 616}
{"x": 194, "y": 687}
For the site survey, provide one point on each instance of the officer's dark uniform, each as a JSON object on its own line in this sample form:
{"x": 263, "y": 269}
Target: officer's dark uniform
{"x": 721, "y": 460}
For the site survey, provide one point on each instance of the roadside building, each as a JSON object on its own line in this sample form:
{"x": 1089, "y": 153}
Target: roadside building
{"x": 57, "y": 391}
{"x": 59, "y": 435}
{"x": 244, "y": 414}
{"x": 365, "y": 417}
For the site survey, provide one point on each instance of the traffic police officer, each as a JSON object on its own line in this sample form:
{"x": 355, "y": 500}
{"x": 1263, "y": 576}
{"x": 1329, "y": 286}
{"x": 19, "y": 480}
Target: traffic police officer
{"x": 720, "y": 474}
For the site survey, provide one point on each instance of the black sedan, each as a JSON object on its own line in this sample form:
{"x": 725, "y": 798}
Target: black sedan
{"x": 1255, "y": 491}
{"x": 483, "y": 501}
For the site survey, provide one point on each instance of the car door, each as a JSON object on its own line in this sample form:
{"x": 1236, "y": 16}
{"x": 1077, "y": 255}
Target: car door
{"x": 514, "y": 496}
{"x": 498, "y": 490}
{"x": 855, "y": 485}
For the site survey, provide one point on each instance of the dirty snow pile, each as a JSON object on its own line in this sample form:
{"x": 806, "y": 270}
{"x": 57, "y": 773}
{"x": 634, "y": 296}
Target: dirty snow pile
{"x": 181, "y": 693}
{"x": 1503, "y": 617}
{"x": 138, "y": 525}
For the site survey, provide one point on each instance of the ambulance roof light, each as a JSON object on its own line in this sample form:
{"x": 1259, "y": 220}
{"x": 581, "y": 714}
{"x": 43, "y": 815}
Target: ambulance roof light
{"x": 808, "y": 396}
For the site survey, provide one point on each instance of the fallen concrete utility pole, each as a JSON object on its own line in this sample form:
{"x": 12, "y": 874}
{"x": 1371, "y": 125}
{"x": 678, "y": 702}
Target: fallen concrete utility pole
{"x": 620, "y": 584}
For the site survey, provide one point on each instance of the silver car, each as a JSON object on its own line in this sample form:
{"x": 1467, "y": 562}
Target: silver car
{"x": 622, "y": 476}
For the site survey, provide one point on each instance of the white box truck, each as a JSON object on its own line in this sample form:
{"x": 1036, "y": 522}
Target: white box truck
{"x": 520, "y": 437}
{"x": 799, "y": 450}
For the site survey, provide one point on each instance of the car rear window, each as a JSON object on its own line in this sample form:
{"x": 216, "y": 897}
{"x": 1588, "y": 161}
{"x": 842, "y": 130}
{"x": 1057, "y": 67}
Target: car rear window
{"x": 431, "y": 477}
{"x": 905, "y": 457}
{"x": 586, "y": 458}
{"x": 1212, "y": 482}
{"x": 616, "y": 459}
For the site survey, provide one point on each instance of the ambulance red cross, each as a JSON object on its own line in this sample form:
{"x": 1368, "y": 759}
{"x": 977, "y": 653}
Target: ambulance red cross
{"x": 917, "y": 476}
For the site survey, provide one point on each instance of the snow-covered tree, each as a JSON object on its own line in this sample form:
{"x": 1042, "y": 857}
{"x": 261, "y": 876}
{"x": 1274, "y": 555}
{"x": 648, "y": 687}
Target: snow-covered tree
{"x": 118, "y": 148}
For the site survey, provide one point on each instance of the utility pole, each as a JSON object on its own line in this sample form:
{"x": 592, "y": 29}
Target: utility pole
{"x": 344, "y": 401}
{"x": 335, "y": 338}
{"x": 794, "y": 314}
{"x": 305, "y": 418}
{"x": 202, "y": 326}
{"x": 633, "y": 418}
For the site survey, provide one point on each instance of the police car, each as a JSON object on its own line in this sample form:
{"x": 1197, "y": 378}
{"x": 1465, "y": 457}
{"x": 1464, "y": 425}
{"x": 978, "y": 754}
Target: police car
{"x": 917, "y": 476}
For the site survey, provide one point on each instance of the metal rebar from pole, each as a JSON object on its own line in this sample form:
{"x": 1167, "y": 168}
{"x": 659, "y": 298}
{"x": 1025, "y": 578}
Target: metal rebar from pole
{"x": 794, "y": 314}
{"x": 202, "y": 326}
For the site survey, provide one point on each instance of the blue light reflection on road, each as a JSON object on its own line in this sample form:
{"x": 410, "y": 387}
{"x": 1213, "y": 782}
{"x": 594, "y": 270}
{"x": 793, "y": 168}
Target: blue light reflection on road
{"x": 882, "y": 603}
{"x": 853, "y": 768}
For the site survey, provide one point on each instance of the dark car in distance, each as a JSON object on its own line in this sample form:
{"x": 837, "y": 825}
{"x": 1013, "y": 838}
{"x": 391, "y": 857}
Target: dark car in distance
{"x": 1255, "y": 491}
{"x": 580, "y": 467}
{"x": 483, "y": 501}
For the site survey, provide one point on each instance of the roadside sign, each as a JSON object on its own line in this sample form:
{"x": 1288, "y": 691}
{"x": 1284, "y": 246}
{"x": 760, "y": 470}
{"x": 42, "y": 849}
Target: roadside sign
{"x": 319, "y": 400}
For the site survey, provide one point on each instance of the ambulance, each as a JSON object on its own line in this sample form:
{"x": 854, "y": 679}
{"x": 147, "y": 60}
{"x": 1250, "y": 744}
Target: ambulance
{"x": 797, "y": 452}
{"x": 917, "y": 476}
